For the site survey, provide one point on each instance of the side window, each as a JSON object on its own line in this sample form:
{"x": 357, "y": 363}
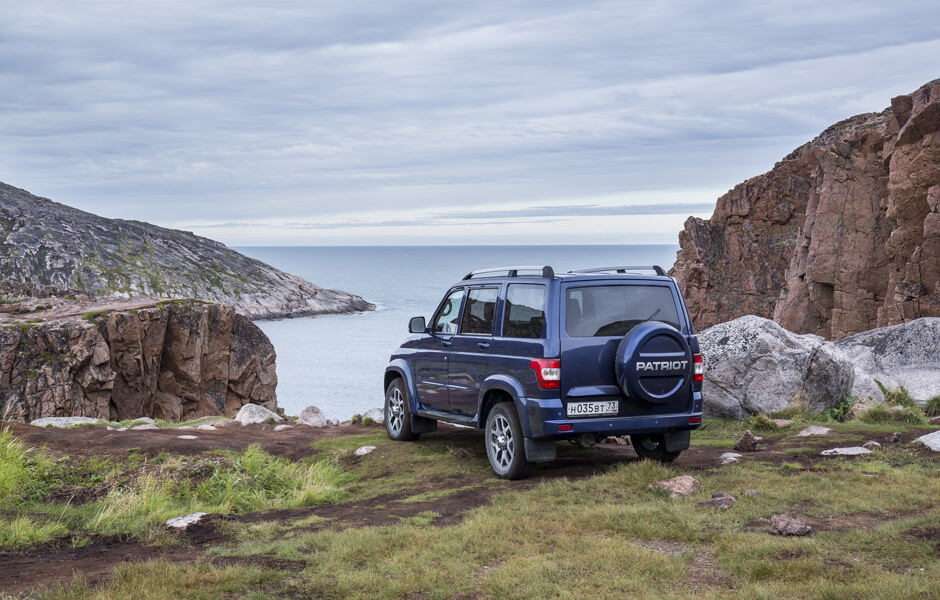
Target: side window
{"x": 479, "y": 313}
{"x": 446, "y": 319}
{"x": 525, "y": 311}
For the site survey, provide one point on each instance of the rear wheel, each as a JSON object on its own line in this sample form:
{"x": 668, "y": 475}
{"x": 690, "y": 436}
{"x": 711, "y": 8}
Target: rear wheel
{"x": 397, "y": 413}
{"x": 653, "y": 447}
{"x": 505, "y": 446}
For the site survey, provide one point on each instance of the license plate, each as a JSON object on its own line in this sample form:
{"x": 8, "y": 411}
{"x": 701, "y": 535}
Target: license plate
{"x": 593, "y": 409}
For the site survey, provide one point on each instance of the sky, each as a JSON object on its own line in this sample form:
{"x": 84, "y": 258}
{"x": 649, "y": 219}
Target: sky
{"x": 431, "y": 122}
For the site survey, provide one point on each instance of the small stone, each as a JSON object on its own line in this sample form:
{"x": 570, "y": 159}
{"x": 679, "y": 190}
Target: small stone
{"x": 787, "y": 526}
{"x": 850, "y": 451}
{"x": 144, "y": 427}
{"x": 206, "y": 427}
{"x": 871, "y": 445}
{"x": 121, "y": 429}
{"x": 722, "y": 503}
{"x": 858, "y": 410}
{"x": 186, "y": 427}
{"x": 724, "y": 495}
{"x": 376, "y": 414}
{"x": 282, "y": 427}
{"x": 751, "y": 492}
{"x": 782, "y": 422}
{"x": 182, "y": 523}
{"x": 813, "y": 430}
{"x": 621, "y": 440}
{"x": 934, "y": 421}
{"x": 729, "y": 457}
{"x": 187, "y": 437}
{"x": 931, "y": 440}
{"x": 895, "y": 437}
{"x": 747, "y": 443}
{"x": 363, "y": 450}
{"x": 332, "y": 422}
{"x": 109, "y": 428}
{"x": 678, "y": 487}
{"x": 312, "y": 417}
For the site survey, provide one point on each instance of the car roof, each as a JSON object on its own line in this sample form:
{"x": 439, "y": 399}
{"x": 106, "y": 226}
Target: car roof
{"x": 541, "y": 273}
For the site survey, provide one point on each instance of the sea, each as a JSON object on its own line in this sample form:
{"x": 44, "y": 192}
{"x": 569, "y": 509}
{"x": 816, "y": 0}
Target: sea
{"x": 337, "y": 362}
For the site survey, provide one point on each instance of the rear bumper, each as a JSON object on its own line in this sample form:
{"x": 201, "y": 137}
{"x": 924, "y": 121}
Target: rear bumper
{"x": 543, "y": 418}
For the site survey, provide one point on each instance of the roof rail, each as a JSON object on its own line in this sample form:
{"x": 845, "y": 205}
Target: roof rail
{"x": 623, "y": 269}
{"x": 545, "y": 271}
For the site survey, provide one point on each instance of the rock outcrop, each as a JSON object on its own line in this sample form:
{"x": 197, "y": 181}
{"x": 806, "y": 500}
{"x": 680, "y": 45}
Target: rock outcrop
{"x": 174, "y": 360}
{"x": 51, "y": 248}
{"x": 754, "y": 366}
{"x": 841, "y": 236}
{"x": 905, "y": 355}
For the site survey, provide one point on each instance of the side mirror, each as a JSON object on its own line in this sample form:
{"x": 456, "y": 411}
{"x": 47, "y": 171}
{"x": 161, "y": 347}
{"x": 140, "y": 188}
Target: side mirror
{"x": 417, "y": 325}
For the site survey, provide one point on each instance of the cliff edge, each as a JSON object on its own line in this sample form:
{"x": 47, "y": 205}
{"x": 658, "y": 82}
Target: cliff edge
{"x": 841, "y": 236}
{"x": 45, "y": 245}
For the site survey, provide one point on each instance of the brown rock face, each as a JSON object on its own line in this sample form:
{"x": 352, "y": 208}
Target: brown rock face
{"x": 173, "y": 361}
{"x": 841, "y": 236}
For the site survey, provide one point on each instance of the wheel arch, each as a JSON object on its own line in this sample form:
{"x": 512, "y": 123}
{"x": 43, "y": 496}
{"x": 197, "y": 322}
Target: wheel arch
{"x": 399, "y": 369}
{"x": 500, "y": 388}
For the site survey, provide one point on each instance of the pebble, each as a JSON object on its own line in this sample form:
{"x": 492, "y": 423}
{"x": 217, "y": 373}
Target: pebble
{"x": 363, "y": 450}
{"x": 729, "y": 457}
{"x": 850, "y": 451}
{"x": 206, "y": 427}
{"x": 282, "y": 427}
{"x": 187, "y": 437}
{"x": 184, "y": 522}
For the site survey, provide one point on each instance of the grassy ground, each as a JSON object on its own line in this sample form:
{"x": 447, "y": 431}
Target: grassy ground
{"x": 390, "y": 524}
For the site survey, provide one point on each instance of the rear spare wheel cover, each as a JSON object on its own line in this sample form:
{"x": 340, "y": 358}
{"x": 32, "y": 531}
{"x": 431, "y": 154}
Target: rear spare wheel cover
{"x": 653, "y": 363}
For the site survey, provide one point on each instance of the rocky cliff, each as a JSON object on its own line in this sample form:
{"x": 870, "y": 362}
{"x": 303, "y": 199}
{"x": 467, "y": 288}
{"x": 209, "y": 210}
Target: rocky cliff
{"x": 174, "y": 360}
{"x": 48, "y": 246}
{"x": 841, "y": 236}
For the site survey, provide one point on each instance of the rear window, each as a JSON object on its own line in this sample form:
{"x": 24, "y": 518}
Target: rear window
{"x": 613, "y": 310}
{"x": 525, "y": 311}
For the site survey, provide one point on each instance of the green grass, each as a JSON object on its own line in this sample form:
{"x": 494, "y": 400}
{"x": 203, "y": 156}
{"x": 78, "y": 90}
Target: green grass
{"x": 606, "y": 535}
{"x": 881, "y": 413}
{"x": 932, "y": 408}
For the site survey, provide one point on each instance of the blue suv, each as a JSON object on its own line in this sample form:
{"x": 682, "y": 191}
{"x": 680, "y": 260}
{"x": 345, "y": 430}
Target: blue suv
{"x": 534, "y": 357}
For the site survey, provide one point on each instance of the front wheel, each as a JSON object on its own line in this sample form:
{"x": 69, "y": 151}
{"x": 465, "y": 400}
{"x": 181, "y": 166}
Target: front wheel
{"x": 397, "y": 413}
{"x": 652, "y": 447}
{"x": 505, "y": 446}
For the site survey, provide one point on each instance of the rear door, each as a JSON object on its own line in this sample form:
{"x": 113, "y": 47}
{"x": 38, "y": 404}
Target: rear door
{"x": 596, "y": 317}
{"x": 470, "y": 352}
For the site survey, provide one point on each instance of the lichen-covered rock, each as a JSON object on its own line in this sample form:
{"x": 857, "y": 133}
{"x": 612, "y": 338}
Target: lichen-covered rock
{"x": 312, "y": 417}
{"x": 786, "y": 526}
{"x": 753, "y": 366}
{"x": 905, "y": 355}
{"x": 376, "y": 414}
{"x": 678, "y": 487}
{"x": 44, "y": 244}
{"x": 252, "y": 414}
{"x": 841, "y": 236}
{"x": 172, "y": 361}
{"x": 62, "y": 422}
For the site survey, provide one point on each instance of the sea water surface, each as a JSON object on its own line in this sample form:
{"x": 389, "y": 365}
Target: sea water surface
{"x": 337, "y": 362}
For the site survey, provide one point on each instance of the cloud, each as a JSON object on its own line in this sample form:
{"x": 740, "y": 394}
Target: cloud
{"x": 175, "y": 112}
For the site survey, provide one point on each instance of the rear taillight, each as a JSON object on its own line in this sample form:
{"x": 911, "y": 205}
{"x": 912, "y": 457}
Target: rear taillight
{"x": 698, "y": 368}
{"x": 547, "y": 372}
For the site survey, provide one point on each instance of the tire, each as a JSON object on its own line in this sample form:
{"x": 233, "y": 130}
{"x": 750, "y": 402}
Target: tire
{"x": 653, "y": 447}
{"x": 398, "y": 413}
{"x": 505, "y": 446}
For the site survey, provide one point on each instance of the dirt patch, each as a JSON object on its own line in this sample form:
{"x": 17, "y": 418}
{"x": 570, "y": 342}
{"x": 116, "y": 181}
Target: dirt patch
{"x": 47, "y": 566}
{"x": 839, "y": 522}
{"x": 931, "y": 535}
{"x": 294, "y": 443}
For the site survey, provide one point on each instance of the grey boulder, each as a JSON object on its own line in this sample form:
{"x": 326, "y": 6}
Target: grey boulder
{"x": 900, "y": 355}
{"x": 931, "y": 440}
{"x": 754, "y": 366}
{"x": 312, "y": 417}
{"x": 376, "y": 414}
{"x": 251, "y": 414}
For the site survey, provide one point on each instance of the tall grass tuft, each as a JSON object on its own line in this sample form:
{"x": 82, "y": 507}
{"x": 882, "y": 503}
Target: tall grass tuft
{"x": 932, "y": 408}
{"x": 14, "y": 469}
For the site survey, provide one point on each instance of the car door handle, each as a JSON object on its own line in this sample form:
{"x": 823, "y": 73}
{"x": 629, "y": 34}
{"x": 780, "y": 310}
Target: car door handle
{"x": 447, "y": 343}
{"x": 483, "y": 345}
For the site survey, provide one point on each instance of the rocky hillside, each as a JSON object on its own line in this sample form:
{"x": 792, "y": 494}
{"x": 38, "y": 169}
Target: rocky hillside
{"x": 173, "y": 360}
{"x": 46, "y": 245}
{"x": 841, "y": 236}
